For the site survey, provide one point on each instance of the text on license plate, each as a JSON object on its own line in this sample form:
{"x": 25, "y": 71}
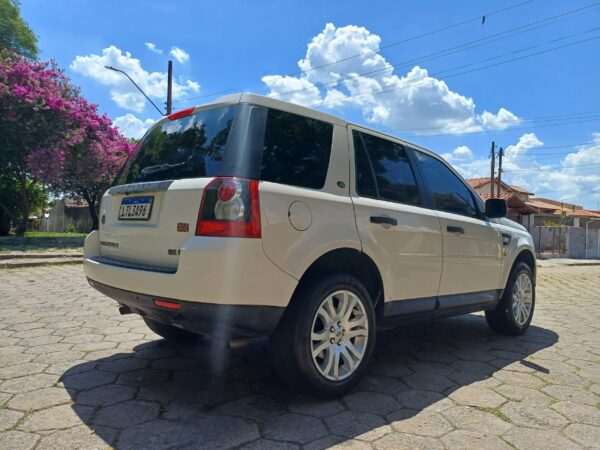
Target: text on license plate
{"x": 136, "y": 208}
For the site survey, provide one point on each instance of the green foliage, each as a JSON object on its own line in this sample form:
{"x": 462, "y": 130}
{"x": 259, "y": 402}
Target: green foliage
{"x": 70, "y": 228}
{"x": 15, "y": 34}
{"x": 11, "y": 191}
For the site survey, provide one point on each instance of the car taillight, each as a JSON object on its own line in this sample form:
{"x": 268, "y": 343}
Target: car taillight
{"x": 229, "y": 208}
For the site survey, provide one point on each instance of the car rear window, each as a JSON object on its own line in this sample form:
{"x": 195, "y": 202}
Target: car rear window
{"x": 189, "y": 147}
{"x": 296, "y": 150}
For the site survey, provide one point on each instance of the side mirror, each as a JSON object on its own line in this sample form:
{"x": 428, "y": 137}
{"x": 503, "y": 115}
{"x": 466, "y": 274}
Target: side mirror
{"x": 495, "y": 208}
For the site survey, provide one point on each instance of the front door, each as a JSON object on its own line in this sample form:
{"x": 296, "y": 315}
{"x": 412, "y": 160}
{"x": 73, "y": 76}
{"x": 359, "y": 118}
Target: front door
{"x": 472, "y": 245}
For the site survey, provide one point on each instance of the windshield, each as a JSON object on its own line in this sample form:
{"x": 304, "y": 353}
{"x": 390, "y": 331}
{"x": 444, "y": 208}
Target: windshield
{"x": 189, "y": 147}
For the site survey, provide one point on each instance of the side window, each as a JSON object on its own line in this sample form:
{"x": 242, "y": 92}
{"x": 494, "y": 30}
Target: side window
{"x": 296, "y": 150}
{"x": 383, "y": 170}
{"x": 449, "y": 192}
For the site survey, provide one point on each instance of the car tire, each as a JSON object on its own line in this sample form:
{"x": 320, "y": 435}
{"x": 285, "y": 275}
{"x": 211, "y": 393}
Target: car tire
{"x": 326, "y": 338}
{"x": 171, "y": 333}
{"x": 514, "y": 312}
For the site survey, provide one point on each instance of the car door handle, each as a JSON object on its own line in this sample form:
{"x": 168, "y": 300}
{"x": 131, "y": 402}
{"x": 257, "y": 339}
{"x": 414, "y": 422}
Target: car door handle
{"x": 453, "y": 229}
{"x": 383, "y": 220}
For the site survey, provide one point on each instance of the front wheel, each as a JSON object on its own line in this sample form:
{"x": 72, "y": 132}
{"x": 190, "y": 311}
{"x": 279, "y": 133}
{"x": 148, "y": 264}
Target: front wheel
{"x": 327, "y": 337}
{"x": 514, "y": 312}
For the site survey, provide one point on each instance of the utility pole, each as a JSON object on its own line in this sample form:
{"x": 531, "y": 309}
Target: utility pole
{"x": 170, "y": 88}
{"x": 492, "y": 169}
{"x": 500, "y": 155}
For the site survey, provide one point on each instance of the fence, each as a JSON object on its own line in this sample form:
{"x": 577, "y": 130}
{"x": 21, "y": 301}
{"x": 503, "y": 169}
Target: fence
{"x": 566, "y": 242}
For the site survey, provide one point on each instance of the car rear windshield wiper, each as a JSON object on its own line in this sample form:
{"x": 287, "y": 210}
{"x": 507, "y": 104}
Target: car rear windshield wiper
{"x": 161, "y": 168}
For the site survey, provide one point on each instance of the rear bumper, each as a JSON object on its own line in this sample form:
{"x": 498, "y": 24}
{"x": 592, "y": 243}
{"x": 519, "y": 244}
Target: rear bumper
{"x": 219, "y": 271}
{"x": 220, "y": 321}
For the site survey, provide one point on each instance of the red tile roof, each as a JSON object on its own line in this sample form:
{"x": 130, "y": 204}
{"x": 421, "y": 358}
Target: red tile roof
{"x": 477, "y": 182}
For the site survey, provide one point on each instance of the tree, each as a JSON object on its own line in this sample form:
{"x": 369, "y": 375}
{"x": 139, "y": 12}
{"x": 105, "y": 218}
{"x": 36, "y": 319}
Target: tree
{"x": 9, "y": 197}
{"x": 87, "y": 167}
{"x": 15, "y": 34}
{"x": 37, "y": 113}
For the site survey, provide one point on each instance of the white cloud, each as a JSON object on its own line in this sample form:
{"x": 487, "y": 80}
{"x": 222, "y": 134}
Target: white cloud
{"x": 179, "y": 54}
{"x": 575, "y": 178}
{"x": 153, "y": 48}
{"x": 414, "y": 101}
{"x": 461, "y": 153}
{"x": 122, "y": 91}
{"x": 131, "y": 126}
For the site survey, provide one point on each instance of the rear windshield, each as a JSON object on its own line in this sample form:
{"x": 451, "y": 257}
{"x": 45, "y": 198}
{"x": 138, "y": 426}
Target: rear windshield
{"x": 189, "y": 147}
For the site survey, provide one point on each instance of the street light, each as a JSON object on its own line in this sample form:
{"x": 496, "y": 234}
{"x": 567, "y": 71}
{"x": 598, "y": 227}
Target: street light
{"x": 135, "y": 84}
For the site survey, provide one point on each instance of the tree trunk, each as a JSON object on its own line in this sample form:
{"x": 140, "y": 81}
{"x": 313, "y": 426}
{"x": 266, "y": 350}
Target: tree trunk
{"x": 24, "y": 207}
{"x": 91, "y": 200}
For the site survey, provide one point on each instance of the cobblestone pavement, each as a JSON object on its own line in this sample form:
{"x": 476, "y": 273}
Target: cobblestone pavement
{"x": 76, "y": 374}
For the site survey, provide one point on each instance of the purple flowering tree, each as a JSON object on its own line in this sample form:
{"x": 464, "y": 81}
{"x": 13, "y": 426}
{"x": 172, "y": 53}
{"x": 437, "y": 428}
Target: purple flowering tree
{"x": 50, "y": 135}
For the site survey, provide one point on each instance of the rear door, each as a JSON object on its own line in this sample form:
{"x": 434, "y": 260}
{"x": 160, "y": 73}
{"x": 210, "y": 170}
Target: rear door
{"x": 396, "y": 230}
{"x": 472, "y": 245}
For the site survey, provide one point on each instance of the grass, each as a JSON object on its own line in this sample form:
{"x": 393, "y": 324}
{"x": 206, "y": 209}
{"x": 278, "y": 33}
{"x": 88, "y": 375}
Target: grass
{"x": 49, "y": 234}
{"x": 494, "y": 411}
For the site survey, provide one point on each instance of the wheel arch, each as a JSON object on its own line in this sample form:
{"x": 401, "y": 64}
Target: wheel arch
{"x": 345, "y": 260}
{"x": 525, "y": 255}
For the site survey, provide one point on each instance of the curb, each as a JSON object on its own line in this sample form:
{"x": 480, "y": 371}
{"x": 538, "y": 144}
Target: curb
{"x": 41, "y": 262}
{"x": 39, "y": 255}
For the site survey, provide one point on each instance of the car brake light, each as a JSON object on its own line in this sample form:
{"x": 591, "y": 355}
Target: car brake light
{"x": 229, "y": 208}
{"x": 180, "y": 114}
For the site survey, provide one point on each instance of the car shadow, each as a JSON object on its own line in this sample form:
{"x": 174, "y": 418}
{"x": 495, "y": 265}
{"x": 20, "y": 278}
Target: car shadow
{"x": 205, "y": 395}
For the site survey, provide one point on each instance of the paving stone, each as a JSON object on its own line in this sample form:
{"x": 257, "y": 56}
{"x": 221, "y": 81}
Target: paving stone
{"x": 19, "y": 370}
{"x": 573, "y": 394}
{"x": 40, "y": 399}
{"x": 28, "y": 383}
{"x": 55, "y": 418}
{"x": 143, "y": 377}
{"x": 429, "y": 382}
{"x": 78, "y": 438}
{"x": 9, "y": 418}
{"x": 586, "y": 435}
{"x": 407, "y": 441}
{"x": 88, "y": 380}
{"x": 371, "y": 403}
{"x": 304, "y": 429}
{"x": 469, "y": 440}
{"x": 472, "y": 419}
{"x": 422, "y": 424}
{"x": 106, "y": 395}
{"x": 366, "y": 427}
{"x": 477, "y": 396}
{"x": 530, "y": 439}
{"x": 314, "y": 406}
{"x": 266, "y": 444}
{"x": 255, "y": 407}
{"x": 127, "y": 414}
{"x": 579, "y": 413}
{"x": 520, "y": 394}
{"x": 14, "y": 439}
{"x": 519, "y": 379}
{"x": 533, "y": 416}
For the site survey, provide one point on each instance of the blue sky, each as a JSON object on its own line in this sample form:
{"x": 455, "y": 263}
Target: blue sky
{"x": 540, "y": 108}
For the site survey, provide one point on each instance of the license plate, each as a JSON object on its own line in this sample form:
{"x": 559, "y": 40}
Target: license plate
{"x": 136, "y": 208}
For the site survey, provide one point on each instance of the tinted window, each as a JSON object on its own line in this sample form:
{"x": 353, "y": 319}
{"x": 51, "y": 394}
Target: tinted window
{"x": 449, "y": 192}
{"x": 189, "y": 147}
{"x": 388, "y": 162}
{"x": 296, "y": 150}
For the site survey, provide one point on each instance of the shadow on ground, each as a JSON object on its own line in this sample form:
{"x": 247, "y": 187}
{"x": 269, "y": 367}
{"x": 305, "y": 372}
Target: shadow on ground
{"x": 208, "y": 396}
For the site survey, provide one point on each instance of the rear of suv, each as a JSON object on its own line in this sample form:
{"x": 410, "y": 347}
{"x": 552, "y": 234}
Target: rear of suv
{"x": 255, "y": 217}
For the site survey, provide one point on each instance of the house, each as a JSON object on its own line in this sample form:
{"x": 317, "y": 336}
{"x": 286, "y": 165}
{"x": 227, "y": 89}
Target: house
{"x": 534, "y": 212}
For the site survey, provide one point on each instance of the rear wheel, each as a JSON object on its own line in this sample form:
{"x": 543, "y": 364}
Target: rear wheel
{"x": 326, "y": 339}
{"x": 170, "y": 332}
{"x": 515, "y": 310}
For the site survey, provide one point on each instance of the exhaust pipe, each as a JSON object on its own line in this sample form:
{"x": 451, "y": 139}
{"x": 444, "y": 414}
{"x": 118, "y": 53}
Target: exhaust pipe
{"x": 125, "y": 310}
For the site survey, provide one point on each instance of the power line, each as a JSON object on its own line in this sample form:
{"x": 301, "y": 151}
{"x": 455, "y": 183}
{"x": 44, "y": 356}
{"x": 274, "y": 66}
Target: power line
{"x": 385, "y": 91}
{"x": 391, "y": 44}
{"x": 537, "y": 169}
{"x": 465, "y": 46}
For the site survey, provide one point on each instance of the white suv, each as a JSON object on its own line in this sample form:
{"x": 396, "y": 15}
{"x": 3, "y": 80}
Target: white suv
{"x": 255, "y": 217}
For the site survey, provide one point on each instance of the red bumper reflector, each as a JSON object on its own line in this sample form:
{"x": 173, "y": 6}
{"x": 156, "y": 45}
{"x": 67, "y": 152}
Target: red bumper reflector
{"x": 165, "y": 304}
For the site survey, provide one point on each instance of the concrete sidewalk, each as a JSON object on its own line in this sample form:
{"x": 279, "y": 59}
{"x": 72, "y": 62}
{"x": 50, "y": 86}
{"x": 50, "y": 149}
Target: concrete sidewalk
{"x": 565, "y": 262}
